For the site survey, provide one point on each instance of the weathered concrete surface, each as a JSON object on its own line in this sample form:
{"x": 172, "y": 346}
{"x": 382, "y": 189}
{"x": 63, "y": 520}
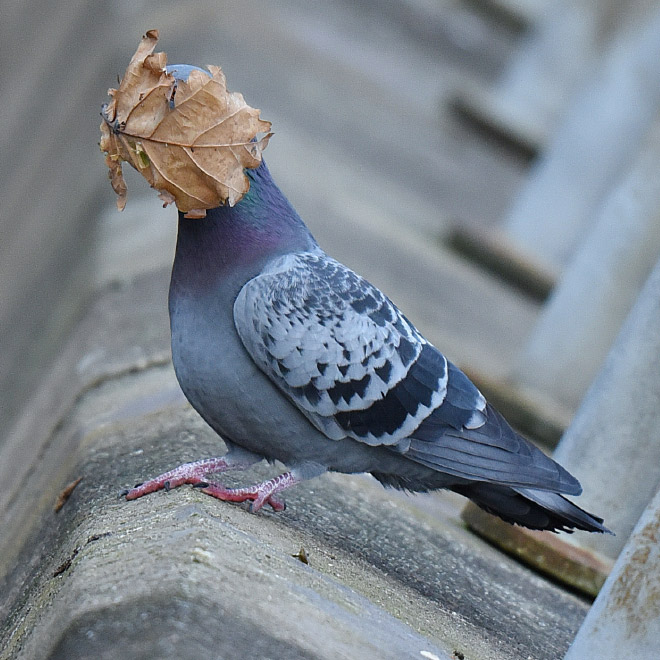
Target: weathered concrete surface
{"x": 548, "y": 553}
{"x": 597, "y": 139}
{"x": 123, "y": 330}
{"x": 51, "y": 74}
{"x": 554, "y": 57}
{"x": 175, "y": 577}
{"x": 613, "y": 440}
{"x": 181, "y": 574}
{"x": 625, "y": 618}
{"x": 599, "y": 286}
{"x": 187, "y": 552}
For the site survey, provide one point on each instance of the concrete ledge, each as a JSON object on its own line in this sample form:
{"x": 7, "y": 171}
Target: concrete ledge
{"x": 182, "y": 575}
{"x": 176, "y": 576}
{"x": 491, "y": 251}
{"x": 125, "y": 330}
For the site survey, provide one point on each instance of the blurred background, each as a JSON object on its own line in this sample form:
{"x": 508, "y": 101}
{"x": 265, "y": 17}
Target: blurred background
{"x": 467, "y": 156}
{"x": 364, "y": 145}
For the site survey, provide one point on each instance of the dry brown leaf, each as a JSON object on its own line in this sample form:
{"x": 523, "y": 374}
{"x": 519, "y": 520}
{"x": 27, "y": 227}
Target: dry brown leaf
{"x": 190, "y": 140}
{"x": 65, "y": 494}
{"x": 302, "y": 556}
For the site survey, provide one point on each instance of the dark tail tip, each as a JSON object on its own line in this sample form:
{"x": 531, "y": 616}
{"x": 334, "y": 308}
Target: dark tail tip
{"x": 534, "y": 509}
{"x": 562, "y": 511}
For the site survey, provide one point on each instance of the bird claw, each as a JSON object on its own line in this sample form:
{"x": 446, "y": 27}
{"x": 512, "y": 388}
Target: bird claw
{"x": 257, "y": 497}
{"x": 261, "y": 494}
{"x": 195, "y": 473}
{"x": 188, "y": 473}
{"x": 276, "y": 504}
{"x": 158, "y": 483}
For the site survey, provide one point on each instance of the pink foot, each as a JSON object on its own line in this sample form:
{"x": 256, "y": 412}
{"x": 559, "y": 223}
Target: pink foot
{"x": 188, "y": 473}
{"x": 260, "y": 494}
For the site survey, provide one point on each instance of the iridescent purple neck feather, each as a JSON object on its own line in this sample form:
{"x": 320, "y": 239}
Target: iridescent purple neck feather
{"x": 231, "y": 240}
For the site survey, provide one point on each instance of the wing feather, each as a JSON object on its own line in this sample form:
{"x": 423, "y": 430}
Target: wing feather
{"x": 340, "y": 349}
{"x": 356, "y": 367}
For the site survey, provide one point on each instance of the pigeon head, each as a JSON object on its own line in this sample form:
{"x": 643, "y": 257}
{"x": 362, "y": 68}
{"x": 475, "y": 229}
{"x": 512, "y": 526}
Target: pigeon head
{"x": 263, "y": 224}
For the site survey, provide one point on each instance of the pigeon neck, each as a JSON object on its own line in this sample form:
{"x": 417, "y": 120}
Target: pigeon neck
{"x": 239, "y": 240}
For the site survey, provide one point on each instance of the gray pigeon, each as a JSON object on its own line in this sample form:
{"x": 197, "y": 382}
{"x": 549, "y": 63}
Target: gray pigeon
{"x": 289, "y": 355}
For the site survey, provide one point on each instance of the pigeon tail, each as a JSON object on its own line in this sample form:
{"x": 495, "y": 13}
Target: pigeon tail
{"x": 531, "y": 508}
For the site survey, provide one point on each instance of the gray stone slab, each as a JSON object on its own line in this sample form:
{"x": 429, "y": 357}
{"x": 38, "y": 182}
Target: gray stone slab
{"x": 384, "y": 580}
{"x": 625, "y": 618}
{"x": 52, "y": 71}
{"x": 179, "y": 574}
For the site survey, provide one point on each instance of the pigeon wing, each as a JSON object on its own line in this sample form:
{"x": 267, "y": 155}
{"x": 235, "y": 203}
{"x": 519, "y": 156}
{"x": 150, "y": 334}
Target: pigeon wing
{"x": 344, "y": 353}
{"x": 356, "y": 367}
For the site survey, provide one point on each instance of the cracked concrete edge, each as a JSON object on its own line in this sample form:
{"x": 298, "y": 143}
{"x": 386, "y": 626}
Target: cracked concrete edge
{"x": 384, "y": 579}
{"x": 193, "y": 553}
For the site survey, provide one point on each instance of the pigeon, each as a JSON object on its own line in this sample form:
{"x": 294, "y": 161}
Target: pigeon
{"x": 289, "y": 355}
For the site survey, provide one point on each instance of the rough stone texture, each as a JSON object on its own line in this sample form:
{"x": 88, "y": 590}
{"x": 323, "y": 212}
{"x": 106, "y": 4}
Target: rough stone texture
{"x": 121, "y": 332}
{"x": 183, "y": 575}
{"x": 619, "y": 418}
{"x": 546, "y": 552}
{"x": 625, "y": 618}
{"x": 51, "y": 75}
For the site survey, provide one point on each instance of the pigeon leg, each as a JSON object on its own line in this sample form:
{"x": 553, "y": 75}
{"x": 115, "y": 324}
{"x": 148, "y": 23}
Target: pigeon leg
{"x": 194, "y": 473}
{"x": 260, "y": 494}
